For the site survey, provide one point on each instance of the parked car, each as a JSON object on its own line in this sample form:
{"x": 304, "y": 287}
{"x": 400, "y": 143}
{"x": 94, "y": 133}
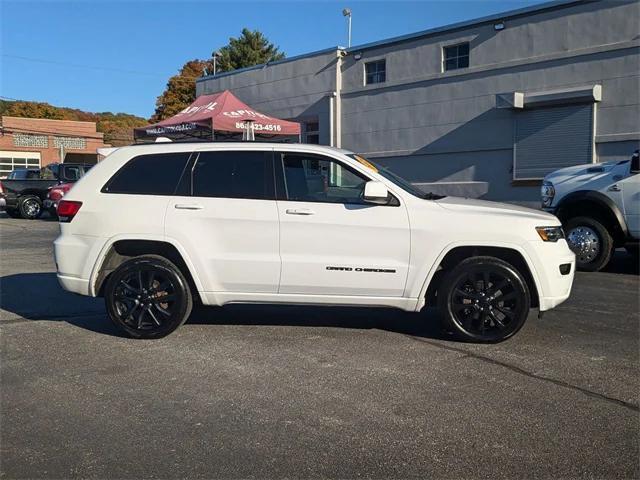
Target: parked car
{"x": 156, "y": 227}
{"x": 25, "y": 196}
{"x": 599, "y": 206}
{"x": 54, "y": 195}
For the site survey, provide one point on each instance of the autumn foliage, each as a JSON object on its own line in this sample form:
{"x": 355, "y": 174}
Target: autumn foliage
{"x": 250, "y": 48}
{"x": 117, "y": 127}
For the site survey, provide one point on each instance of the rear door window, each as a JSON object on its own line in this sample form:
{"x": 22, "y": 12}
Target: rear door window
{"x": 155, "y": 174}
{"x": 233, "y": 174}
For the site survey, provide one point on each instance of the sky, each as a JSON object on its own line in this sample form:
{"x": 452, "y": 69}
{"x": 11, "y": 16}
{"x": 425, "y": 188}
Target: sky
{"x": 117, "y": 55}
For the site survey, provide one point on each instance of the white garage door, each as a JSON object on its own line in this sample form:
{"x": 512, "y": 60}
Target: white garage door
{"x": 10, "y": 161}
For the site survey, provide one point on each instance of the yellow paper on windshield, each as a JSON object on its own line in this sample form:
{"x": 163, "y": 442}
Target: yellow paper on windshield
{"x": 366, "y": 163}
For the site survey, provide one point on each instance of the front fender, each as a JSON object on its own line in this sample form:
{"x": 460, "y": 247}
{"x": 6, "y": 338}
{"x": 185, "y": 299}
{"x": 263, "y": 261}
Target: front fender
{"x": 429, "y": 271}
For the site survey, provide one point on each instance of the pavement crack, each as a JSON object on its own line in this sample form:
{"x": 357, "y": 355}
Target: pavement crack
{"x": 520, "y": 371}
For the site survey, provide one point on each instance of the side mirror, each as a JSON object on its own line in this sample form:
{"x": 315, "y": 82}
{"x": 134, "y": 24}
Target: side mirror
{"x": 376, "y": 192}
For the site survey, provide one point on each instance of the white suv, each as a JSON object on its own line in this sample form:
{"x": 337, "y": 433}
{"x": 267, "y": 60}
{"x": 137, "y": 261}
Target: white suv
{"x": 153, "y": 228}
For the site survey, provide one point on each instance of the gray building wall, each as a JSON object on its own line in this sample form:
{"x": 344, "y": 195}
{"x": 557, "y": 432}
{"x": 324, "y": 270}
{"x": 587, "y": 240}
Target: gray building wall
{"x": 449, "y": 127}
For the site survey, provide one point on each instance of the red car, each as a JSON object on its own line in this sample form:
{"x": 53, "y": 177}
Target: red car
{"x": 54, "y": 195}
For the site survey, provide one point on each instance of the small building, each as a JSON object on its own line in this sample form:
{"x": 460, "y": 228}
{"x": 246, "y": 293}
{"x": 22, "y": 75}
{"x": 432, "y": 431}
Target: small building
{"x": 35, "y": 142}
{"x": 484, "y": 108}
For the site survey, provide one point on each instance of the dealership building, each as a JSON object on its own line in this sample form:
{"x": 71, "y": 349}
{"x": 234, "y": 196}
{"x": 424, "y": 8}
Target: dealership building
{"x": 483, "y": 108}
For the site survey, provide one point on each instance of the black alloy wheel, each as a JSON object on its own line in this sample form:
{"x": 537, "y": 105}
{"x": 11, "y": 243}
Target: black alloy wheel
{"x": 148, "y": 297}
{"x": 484, "y": 299}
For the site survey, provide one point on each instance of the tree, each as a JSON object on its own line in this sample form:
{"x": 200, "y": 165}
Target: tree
{"x": 180, "y": 90}
{"x": 251, "y": 48}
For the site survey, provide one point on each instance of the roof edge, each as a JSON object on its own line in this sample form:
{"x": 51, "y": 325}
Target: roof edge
{"x": 410, "y": 36}
{"x": 268, "y": 64}
{"x": 468, "y": 23}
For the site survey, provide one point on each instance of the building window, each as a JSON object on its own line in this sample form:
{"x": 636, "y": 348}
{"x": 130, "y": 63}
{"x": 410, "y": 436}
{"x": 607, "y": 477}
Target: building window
{"x": 375, "y": 72}
{"x": 77, "y": 143}
{"x": 27, "y": 140}
{"x": 456, "y": 56}
{"x": 8, "y": 163}
{"x": 312, "y": 132}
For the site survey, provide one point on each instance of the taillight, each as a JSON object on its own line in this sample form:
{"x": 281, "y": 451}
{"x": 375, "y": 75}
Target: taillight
{"x": 67, "y": 209}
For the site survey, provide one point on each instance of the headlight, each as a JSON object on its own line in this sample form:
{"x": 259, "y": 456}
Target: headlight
{"x": 550, "y": 234}
{"x": 547, "y": 192}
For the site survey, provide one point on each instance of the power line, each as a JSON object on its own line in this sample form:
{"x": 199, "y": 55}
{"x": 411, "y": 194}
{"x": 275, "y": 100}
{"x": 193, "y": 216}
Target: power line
{"x": 95, "y": 67}
{"x": 76, "y": 65}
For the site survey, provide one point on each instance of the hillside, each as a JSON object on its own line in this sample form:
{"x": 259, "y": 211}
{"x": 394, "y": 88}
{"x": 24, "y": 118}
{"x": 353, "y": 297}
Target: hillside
{"x": 117, "y": 127}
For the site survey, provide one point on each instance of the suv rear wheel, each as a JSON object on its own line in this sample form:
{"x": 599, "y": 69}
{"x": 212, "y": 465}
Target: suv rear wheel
{"x": 30, "y": 207}
{"x": 484, "y": 299}
{"x": 590, "y": 241}
{"x": 148, "y": 297}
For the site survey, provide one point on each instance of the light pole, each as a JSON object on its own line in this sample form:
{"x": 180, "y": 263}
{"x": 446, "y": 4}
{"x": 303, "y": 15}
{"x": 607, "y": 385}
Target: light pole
{"x": 347, "y": 13}
{"x": 215, "y": 58}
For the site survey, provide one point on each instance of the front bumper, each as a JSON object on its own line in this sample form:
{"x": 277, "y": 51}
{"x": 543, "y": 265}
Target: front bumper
{"x": 551, "y": 260}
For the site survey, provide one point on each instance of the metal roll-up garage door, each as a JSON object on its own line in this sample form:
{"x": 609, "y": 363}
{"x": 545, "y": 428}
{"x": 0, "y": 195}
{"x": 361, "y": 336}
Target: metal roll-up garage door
{"x": 550, "y": 138}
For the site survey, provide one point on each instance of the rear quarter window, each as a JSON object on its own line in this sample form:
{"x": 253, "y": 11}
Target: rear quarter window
{"x": 154, "y": 174}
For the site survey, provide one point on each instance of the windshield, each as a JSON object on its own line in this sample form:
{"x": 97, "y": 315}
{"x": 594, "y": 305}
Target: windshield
{"x": 397, "y": 180}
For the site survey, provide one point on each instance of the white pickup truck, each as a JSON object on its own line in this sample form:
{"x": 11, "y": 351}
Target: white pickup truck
{"x": 599, "y": 206}
{"x": 153, "y": 228}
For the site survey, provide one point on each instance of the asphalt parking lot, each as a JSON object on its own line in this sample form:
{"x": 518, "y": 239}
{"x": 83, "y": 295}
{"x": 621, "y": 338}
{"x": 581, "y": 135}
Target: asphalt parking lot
{"x": 301, "y": 392}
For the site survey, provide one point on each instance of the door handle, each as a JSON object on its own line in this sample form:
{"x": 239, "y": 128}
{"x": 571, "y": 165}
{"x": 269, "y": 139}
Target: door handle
{"x": 614, "y": 188}
{"x": 300, "y": 211}
{"x": 188, "y": 206}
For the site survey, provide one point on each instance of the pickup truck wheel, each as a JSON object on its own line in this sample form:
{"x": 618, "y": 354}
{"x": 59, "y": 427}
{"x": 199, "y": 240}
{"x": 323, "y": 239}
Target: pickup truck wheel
{"x": 590, "y": 241}
{"x": 30, "y": 207}
{"x": 484, "y": 299}
{"x": 148, "y": 297}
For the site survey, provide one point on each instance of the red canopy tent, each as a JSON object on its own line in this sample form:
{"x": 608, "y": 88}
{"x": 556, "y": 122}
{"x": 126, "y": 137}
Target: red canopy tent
{"x": 219, "y": 115}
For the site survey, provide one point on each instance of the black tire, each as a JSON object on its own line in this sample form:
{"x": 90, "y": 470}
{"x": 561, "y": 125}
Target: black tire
{"x": 133, "y": 295}
{"x": 484, "y": 300}
{"x": 30, "y": 207}
{"x": 590, "y": 241}
{"x": 13, "y": 213}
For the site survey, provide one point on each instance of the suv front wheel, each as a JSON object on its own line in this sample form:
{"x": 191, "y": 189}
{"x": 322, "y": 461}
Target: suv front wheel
{"x": 148, "y": 297}
{"x": 484, "y": 299}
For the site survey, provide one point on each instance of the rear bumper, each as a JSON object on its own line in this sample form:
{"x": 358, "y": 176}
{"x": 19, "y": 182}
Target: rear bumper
{"x": 75, "y": 257}
{"x": 73, "y": 284}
